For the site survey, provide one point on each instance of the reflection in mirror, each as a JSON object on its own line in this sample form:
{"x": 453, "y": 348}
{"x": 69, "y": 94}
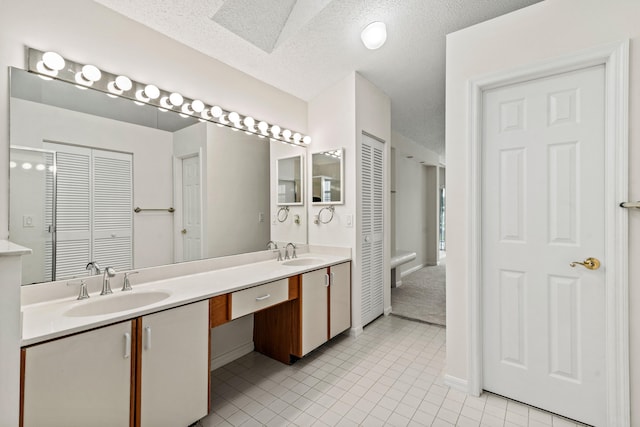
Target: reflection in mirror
{"x": 95, "y": 159}
{"x": 290, "y": 182}
{"x": 327, "y": 177}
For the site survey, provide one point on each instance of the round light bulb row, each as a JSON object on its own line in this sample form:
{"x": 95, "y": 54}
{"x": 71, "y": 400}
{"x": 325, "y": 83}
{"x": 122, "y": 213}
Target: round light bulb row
{"x": 51, "y": 64}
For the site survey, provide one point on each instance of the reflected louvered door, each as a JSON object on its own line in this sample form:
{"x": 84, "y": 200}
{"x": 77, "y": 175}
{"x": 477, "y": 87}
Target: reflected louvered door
{"x": 372, "y": 162}
{"x": 73, "y": 210}
{"x": 93, "y": 209}
{"x": 112, "y": 209}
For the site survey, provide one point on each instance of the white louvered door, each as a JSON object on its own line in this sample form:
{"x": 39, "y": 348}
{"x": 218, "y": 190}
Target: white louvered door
{"x": 112, "y": 209}
{"x": 73, "y": 210}
{"x": 93, "y": 209}
{"x": 372, "y": 162}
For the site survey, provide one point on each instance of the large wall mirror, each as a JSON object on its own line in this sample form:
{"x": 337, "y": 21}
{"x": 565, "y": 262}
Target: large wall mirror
{"x": 96, "y": 178}
{"x": 327, "y": 176}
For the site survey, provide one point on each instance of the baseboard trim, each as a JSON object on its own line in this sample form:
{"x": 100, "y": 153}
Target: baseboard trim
{"x": 387, "y": 311}
{"x": 356, "y": 332}
{"x": 412, "y": 270}
{"x": 457, "y": 383}
{"x": 232, "y": 355}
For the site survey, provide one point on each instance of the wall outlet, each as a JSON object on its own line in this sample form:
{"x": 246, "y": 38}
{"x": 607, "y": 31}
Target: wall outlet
{"x": 348, "y": 220}
{"x": 27, "y": 221}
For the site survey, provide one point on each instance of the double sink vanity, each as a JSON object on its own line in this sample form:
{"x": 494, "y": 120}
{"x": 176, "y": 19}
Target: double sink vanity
{"x": 143, "y": 357}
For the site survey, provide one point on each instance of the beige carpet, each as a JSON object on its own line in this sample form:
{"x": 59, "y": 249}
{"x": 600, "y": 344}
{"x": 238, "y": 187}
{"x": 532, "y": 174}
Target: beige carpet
{"x": 421, "y": 296}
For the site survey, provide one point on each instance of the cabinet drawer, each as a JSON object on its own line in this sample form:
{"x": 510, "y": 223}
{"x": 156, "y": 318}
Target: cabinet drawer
{"x": 253, "y": 299}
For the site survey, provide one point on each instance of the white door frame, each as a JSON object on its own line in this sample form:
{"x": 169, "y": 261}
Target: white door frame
{"x": 615, "y": 58}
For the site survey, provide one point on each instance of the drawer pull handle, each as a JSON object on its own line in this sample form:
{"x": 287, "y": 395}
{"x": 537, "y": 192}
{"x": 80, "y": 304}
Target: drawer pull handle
{"x": 327, "y": 280}
{"x": 127, "y": 345}
{"x": 263, "y": 297}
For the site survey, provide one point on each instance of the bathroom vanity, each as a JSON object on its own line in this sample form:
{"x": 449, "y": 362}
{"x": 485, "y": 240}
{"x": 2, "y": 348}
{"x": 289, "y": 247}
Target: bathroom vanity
{"x": 142, "y": 357}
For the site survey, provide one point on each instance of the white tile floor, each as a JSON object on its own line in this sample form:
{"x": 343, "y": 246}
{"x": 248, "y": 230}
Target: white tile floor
{"x": 392, "y": 375}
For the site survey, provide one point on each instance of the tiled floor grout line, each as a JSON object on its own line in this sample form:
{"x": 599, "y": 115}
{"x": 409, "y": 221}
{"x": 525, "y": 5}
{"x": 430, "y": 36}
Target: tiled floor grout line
{"x": 392, "y": 375}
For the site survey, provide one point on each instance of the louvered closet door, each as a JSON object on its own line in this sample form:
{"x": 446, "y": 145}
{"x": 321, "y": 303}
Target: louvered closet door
{"x": 112, "y": 209}
{"x": 93, "y": 209}
{"x": 73, "y": 210}
{"x": 372, "y": 161}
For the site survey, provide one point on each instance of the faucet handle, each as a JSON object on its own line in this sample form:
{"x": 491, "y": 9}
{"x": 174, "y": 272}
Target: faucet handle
{"x": 127, "y": 283}
{"x": 83, "y": 288}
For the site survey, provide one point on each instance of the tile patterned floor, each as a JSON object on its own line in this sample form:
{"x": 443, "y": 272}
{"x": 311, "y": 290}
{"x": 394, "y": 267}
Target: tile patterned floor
{"x": 392, "y": 375}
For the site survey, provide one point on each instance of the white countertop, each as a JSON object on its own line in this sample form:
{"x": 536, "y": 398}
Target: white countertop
{"x": 8, "y": 248}
{"x": 46, "y": 320}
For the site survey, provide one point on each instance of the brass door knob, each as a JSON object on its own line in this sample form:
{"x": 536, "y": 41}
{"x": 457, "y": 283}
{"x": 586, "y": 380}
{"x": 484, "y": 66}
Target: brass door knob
{"x": 184, "y": 231}
{"x": 590, "y": 263}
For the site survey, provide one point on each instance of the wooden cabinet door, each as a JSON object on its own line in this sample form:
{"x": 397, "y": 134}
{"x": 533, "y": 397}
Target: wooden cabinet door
{"x": 339, "y": 299}
{"x": 81, "y": 380}
{"x": 315, "y": 315}
{"x": 175, "y": 366}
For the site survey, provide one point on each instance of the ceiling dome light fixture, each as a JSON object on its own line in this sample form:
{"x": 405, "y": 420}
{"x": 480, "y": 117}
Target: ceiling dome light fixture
{"x": 374, "y": 35}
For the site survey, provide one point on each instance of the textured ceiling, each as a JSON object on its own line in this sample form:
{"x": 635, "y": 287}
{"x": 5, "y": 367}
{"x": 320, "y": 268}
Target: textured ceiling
{"x": 305, "y": 46}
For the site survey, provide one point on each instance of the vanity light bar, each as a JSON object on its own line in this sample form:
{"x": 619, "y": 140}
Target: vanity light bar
{"x": 51, "y": 65}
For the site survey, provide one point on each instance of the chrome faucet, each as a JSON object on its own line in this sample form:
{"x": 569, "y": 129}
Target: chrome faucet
{"x": 109, "y": 272}
{"x": 126, "y": 286}
{"x": 93, "y": 267}
{"x": 272, "y": 243}
{"x": 293, "y": 253}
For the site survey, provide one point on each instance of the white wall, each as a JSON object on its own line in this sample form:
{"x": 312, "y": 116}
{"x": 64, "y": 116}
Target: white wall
{"x": 545, "y": 30}
{"x": 337, "y": 118}
{"x": 32, "y": 123}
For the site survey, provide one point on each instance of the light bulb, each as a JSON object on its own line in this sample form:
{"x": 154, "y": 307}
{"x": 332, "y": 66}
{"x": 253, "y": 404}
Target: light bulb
{"x": 216, "y": 111}
{"x": 275, "y": 130}
{"x": 286, "y": 134}
{"x": 27, "y": 166}
{"x": 249, "y": 121}
{"x": 151, "y": 91}
{"x": 12, "y": 164}
{"x": 91, "y": 73}
{"x": 186, "y": 109}
{"x": 176, "y": 99}
{"x": 374, "y": 35}
{"x": 306, "y": 140}
{"x": 205, "y": 114}
{"x": 197, "y": 105}
{"x": 296, "y": 138}
{"x": 40, "y": 167}
{"x": 140, "y": 96}
{"x": 263, "y": 126}
{"x": 164, "y": 101}
{"x": 53, "y": 61}
{"x": 234, "y": 117}
{"x": 79, "y": 78}
{"x": 123, "y": 83}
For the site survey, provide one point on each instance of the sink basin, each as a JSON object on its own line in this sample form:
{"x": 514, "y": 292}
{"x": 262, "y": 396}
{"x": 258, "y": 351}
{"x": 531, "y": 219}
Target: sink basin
{"x": 297, "y": 262}
{"x": 107, "y": 304}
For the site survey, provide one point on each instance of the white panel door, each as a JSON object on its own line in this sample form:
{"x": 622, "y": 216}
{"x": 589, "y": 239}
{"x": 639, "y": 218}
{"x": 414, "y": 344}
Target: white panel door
{"x": 81, "y": 380}
{"x": 175, "y": 363}
{"x": 191, "y": 208}
{"x": 314, "y": 309}
{"x": 372, "y": 192}
{"x": 339, "y": 298}
{"x": 542, "y": 208}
